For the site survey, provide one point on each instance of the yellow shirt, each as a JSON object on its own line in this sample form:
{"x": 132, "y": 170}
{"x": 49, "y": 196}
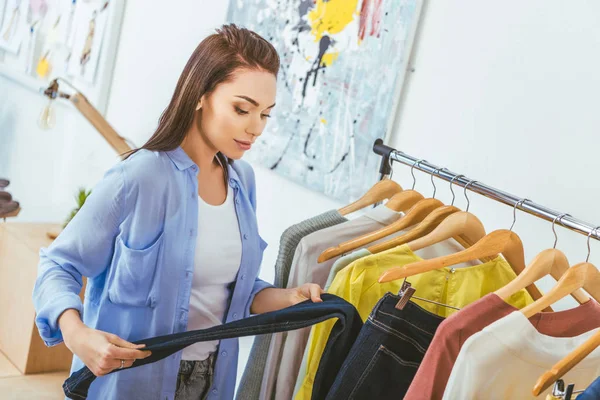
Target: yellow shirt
{"x": 357, "y": 284}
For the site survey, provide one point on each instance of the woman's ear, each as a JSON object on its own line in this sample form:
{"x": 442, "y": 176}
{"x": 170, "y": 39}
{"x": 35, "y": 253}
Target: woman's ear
{"x": 199, "y": 106}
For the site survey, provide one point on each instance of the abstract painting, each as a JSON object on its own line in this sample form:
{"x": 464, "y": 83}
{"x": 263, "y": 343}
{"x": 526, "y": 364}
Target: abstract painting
{"x": 342, "y": 67}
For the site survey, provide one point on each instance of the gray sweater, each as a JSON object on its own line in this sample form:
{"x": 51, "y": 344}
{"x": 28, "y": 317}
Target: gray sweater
{"x": 249, "y": 388}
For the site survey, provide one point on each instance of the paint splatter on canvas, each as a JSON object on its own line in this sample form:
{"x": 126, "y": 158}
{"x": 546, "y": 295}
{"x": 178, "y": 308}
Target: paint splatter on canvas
{"x": 342, "y": 63}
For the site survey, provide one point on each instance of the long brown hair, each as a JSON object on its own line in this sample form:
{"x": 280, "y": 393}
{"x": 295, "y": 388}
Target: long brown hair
{"x": 213, "y": 62}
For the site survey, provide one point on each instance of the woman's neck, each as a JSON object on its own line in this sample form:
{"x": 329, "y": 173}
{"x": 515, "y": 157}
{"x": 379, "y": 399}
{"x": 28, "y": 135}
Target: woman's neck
{"x": 201, "y": 153}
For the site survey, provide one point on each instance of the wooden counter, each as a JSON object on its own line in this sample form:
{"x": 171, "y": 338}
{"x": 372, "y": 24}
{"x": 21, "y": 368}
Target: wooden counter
{"x": 20, "y": 342}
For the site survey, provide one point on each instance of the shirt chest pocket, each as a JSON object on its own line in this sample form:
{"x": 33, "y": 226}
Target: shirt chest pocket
{"x": 134, "y": 274}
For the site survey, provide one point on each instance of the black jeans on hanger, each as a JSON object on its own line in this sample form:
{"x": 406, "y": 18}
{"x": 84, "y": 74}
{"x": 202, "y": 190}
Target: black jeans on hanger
{"x": 385, "y": 357}
{"x": 301, "y": 315}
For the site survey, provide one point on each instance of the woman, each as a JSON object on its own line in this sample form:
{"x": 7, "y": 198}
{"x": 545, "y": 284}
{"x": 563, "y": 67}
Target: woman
{"x": 169, "y": 240}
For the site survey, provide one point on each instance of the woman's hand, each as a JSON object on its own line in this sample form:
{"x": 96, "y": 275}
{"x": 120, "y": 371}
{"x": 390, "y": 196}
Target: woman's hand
{"x": 273, "y": 299}
{"x": 308, "y": 291}
{"x": 100, "y": 351}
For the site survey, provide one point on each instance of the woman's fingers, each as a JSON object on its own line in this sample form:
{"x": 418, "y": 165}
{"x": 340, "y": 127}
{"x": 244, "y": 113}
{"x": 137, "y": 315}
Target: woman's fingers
{"x": 114, "y": 339}
{"x": 127, "y": 354}
{"x": 315, "y": 293}
{"x": 125, "y": 350}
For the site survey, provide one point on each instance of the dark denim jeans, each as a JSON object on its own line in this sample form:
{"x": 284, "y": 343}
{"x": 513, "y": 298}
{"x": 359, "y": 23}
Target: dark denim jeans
{"x": 387, "y": 353}
{"x": 592, "y": 392}
{"x": 301, "y": 315}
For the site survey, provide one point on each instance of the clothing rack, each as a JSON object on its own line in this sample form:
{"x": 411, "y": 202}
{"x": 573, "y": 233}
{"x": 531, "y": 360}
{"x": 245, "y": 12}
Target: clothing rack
{"x": 390, "y": 154}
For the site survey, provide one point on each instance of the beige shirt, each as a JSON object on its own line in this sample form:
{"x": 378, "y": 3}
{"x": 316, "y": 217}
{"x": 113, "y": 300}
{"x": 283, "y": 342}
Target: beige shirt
{"x": 505, "y": 360}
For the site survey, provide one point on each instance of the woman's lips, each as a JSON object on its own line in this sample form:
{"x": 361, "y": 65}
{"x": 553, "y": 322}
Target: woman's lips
{"x": 243, "y": 145}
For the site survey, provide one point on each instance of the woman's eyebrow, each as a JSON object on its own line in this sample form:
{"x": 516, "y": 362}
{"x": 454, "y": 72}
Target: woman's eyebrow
{"x": 254, "y": 102}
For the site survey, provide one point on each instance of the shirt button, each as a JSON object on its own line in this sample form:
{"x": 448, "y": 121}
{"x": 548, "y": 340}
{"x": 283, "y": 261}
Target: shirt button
{"x": 224, "y": 353}
{"x": 234, "y": 315}
{"x": 245, "y": 236}
{"x": 243, "y": 276}
{"x": 215, "y": 391}
{"x": 237, "y": 201}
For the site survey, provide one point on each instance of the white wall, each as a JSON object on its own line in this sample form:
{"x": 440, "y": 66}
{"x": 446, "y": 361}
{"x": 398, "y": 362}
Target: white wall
{"x": 507, "y": 93}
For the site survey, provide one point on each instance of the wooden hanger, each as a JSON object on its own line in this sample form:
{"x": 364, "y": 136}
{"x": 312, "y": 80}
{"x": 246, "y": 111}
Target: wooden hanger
{"x": 566, "y": 364}
{"x": 431, "y": 222}
{"x": 404, "y": 200}
{"x": 382, "y": 190}
{"x": 583, "y": 275}
{"x": 416, "y": 214}
{"x": 426, "y": 226}
{"x": 501, "y": 241}
{"x": 457, "y": 224}
{"x": 549, "y": 262}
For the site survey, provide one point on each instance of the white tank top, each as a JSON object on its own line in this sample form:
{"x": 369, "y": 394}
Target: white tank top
{"x": 216, "y": 264}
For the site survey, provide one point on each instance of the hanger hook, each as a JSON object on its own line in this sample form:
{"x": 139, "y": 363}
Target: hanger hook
{"x": 432, "y": 182}
{"x": 517, "y": 204}
{"x": 452, "y": 190}
{"x": 391, "y": 168}
{"x": 416, "y": 164}
{"x": 467, "y": 197}
{"x": 559, "y": 218}
{"x": 595, "y": 230}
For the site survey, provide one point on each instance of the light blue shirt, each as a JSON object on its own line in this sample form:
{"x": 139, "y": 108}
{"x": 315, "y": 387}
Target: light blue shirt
{"x": 135, "y": 239}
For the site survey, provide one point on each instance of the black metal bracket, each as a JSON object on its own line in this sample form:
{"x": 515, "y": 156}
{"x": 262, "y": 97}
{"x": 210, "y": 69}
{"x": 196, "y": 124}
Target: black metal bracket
{"x": 385, "y": 168}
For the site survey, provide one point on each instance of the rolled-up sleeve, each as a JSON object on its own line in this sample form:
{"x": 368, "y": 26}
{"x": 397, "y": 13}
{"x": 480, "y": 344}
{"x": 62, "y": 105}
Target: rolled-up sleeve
{"x": 84, "y": 248}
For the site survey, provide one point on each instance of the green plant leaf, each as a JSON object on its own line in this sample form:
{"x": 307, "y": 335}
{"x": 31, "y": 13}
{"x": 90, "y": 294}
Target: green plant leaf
{"x": 80, "y": 198}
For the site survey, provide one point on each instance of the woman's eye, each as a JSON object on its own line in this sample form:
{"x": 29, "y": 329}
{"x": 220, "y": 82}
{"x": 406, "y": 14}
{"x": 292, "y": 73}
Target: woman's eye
{"x": 265, "y": 116}
{"x": 240, "y": 111}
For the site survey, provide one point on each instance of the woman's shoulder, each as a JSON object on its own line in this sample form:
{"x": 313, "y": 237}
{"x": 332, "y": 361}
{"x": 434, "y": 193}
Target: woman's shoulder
{"x": 146, "y": 167}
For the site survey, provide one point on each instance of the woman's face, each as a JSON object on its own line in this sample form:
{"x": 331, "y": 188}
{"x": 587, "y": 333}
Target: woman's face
{"x": 234, "y": 115}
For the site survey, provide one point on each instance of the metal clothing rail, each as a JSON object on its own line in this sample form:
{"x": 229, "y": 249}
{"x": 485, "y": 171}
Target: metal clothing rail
{"x": 390, "y": 154}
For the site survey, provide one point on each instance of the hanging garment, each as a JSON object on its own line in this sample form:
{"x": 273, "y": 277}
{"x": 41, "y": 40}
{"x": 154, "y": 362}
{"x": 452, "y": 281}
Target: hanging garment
{"x": 343, "y": 262}
{"x": 506, "y": 358}
{"x": 286, "y": 349}
{"x": 387, "y": 352}
{"x": 432, "y": 376}
{"x": 249, "y": 387}
{"x": 592, "y": 392}
{"x": 358, "y": 284}
{"x": 307, "y": 313}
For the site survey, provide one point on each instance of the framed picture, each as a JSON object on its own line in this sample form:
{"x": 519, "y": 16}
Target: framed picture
{"x": 74, "y": 40}
{"x": 343, "y": 63}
